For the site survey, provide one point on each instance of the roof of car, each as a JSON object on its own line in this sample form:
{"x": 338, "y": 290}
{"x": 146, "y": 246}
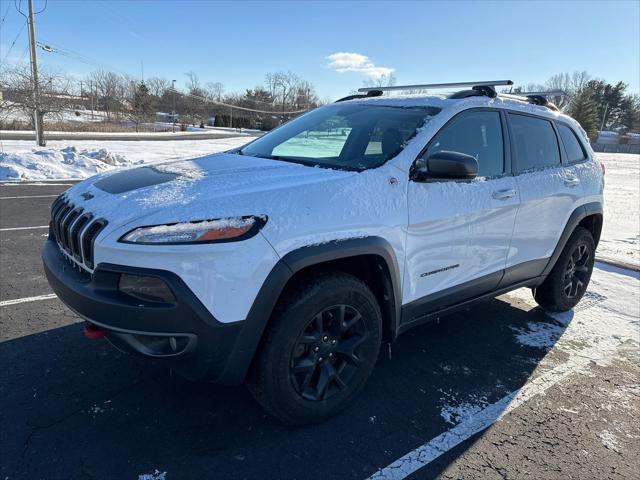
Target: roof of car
{"x": 444, "y": 102}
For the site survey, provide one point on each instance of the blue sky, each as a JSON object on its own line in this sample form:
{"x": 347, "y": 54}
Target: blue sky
{"x": 236, "y": 43}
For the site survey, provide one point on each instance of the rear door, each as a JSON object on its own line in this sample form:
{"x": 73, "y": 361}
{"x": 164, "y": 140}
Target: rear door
{"x": 460, "y": 231}
{"x": 549, "y": 192}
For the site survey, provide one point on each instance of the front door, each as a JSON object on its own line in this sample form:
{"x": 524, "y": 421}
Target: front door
{"x": 459, "y": 232}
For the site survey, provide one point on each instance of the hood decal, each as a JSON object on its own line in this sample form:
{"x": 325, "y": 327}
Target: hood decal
{"x": 134, "y": 179}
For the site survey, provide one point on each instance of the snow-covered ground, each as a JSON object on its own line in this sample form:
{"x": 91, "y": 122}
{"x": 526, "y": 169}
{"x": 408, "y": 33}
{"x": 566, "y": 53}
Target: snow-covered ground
{"x": 19, "y": 160}
{"x": 63, "y": 159}
{"x": 620, "y": 240}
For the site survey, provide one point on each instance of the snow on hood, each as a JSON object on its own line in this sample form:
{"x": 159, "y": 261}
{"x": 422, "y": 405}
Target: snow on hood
{"x": 213, "y": 186}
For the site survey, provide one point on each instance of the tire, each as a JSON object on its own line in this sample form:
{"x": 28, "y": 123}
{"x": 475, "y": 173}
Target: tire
{"x": 569, "y": 278}
{"x": 319, "y": 350}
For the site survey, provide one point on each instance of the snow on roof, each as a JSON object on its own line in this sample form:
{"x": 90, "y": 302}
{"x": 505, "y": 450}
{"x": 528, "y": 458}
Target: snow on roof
{"x": 444, "y": 102}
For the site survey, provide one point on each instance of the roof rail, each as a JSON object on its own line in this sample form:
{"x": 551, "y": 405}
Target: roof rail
{"x": 548, "y": 93}
{"x": 490, "y": 83}
{"x": 536, "y": 98}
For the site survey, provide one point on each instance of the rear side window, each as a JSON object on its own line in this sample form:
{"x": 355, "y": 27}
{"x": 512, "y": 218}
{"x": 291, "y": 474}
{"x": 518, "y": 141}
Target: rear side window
{"x": 478, "y": 134}
{"x": 536, "y": 144}
{"x": 572, "y": 146}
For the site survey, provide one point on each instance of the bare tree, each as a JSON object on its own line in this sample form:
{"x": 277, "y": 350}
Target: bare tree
{"x": 214, "y": 91}
{"x": 55, "y": 92}
{"x": 157, "y": 86}
{"x": 141, "y": 105}
{"x": 195, "y": 102}
{"x": 569, "y": 83}
{"x": 384, "y": 80}
{"x": 193, "y": 83}
{"x": 281, "y": 86}
{"x": 109, "y": 91}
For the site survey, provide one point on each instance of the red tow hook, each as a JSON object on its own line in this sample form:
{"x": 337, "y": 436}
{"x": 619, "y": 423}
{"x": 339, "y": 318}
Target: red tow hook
{"x": 93, "y": 331}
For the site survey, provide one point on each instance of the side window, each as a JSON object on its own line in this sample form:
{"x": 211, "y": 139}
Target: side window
{"x": 575, "y": 152}
{"x": 478, "y": 134}
{"x": 536, "y": 144}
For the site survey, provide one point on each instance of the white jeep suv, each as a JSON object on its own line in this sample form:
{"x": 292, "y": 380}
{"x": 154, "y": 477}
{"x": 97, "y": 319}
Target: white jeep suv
{"x": 286, "y": 263}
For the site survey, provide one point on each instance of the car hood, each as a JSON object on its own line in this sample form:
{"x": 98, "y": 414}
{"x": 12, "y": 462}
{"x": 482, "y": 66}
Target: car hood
{"x": 208, "y": 187}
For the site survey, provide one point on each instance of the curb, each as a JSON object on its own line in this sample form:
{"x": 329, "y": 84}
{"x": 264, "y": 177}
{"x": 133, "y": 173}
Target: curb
{"x": 625, "y": 265}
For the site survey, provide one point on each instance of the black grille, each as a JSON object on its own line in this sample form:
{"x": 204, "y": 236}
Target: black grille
{"x": 75, "y": 231}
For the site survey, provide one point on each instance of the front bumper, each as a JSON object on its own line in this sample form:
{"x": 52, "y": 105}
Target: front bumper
{"x": 184, "y": 335}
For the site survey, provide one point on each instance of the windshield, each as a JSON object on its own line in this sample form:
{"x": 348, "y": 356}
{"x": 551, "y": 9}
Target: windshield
{"x": 344, "y": 136}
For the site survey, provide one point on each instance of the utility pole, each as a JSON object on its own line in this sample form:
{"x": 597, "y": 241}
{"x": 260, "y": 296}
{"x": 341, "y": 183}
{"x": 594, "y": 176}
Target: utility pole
{"x": 173, "y": 111}
{"x": 91, "y": 96}
{"x": 604, "y": 117}
{"x": 37, "y": 117}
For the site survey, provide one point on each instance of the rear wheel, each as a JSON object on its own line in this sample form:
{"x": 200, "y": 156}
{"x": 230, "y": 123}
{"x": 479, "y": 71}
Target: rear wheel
{"x": 319, "y": 350}
{"x": 570, "y": 276}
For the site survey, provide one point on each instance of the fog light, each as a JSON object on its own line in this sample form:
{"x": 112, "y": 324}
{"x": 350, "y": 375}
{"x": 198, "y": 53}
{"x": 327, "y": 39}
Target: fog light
{"x": 148, "y": 289}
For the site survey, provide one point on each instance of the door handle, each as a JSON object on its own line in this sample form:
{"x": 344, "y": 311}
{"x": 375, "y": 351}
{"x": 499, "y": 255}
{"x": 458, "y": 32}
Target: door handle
{"x": 504, "y": 194}
{"x": 572, "y": 182}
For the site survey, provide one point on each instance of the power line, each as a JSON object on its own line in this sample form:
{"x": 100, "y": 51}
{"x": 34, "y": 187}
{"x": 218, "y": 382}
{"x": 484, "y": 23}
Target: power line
{"x": 14, "y": 41}
{"x": 89, "y": 61}
{"x": 6, "y": 12}
{"x": 215, "y": 102}
{"x": 47, "y": 47}
{"x": 46, "y": 2}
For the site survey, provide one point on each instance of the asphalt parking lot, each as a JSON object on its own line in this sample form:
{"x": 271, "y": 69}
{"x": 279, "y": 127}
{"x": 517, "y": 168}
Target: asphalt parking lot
{"x": 476, "y": 395}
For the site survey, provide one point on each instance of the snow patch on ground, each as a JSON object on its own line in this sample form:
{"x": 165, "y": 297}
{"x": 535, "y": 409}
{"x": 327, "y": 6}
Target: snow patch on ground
{"x": 610, "y": 441}
{"x": 455, "y": 414}
{"x": 65, "y": 159}
{"x": 156, "y": 475}
{"x": 48, "y": 163}
{"x": 538, "y": 335}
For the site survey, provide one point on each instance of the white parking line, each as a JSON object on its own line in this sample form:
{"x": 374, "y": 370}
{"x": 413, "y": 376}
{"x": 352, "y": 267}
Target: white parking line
{"x": 425, "y": 454}
{"x": 22, "y": 228}
{"x": 35, "y": 184}
{"x": 601, "y": 326}
{"x": 15, "y": 301}
{"x": 28, "y": 196}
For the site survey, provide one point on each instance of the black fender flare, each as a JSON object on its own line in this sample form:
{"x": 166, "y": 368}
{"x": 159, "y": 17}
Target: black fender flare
{"x": 580, "y": 213}
{"x": 258, "y": 317}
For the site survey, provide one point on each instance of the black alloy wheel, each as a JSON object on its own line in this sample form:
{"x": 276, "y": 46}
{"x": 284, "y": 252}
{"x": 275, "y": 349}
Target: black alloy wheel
{"x": 577, "y": 271}
{"x": 319, "y": 349}
{"x": 569, "y": 278}
{"x": 325, "y": 356}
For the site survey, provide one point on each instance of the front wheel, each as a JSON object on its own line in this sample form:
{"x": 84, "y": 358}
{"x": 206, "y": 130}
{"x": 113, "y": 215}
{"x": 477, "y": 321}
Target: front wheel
{"x": 319, "y": 349}
{"x": 569, "y": 278}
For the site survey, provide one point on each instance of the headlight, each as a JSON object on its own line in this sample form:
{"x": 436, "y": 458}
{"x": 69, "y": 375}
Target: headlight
{"x": 206, "y": 231}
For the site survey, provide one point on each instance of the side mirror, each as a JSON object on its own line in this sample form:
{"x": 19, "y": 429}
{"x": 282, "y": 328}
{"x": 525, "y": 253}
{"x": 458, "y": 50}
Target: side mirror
{"x": 445, "y": 165}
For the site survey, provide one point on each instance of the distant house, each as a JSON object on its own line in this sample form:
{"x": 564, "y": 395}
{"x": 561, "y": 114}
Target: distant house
{"x": 167, "y": 117}
{"x": 607, "y": 138}
{"x": 617, "y": 142}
